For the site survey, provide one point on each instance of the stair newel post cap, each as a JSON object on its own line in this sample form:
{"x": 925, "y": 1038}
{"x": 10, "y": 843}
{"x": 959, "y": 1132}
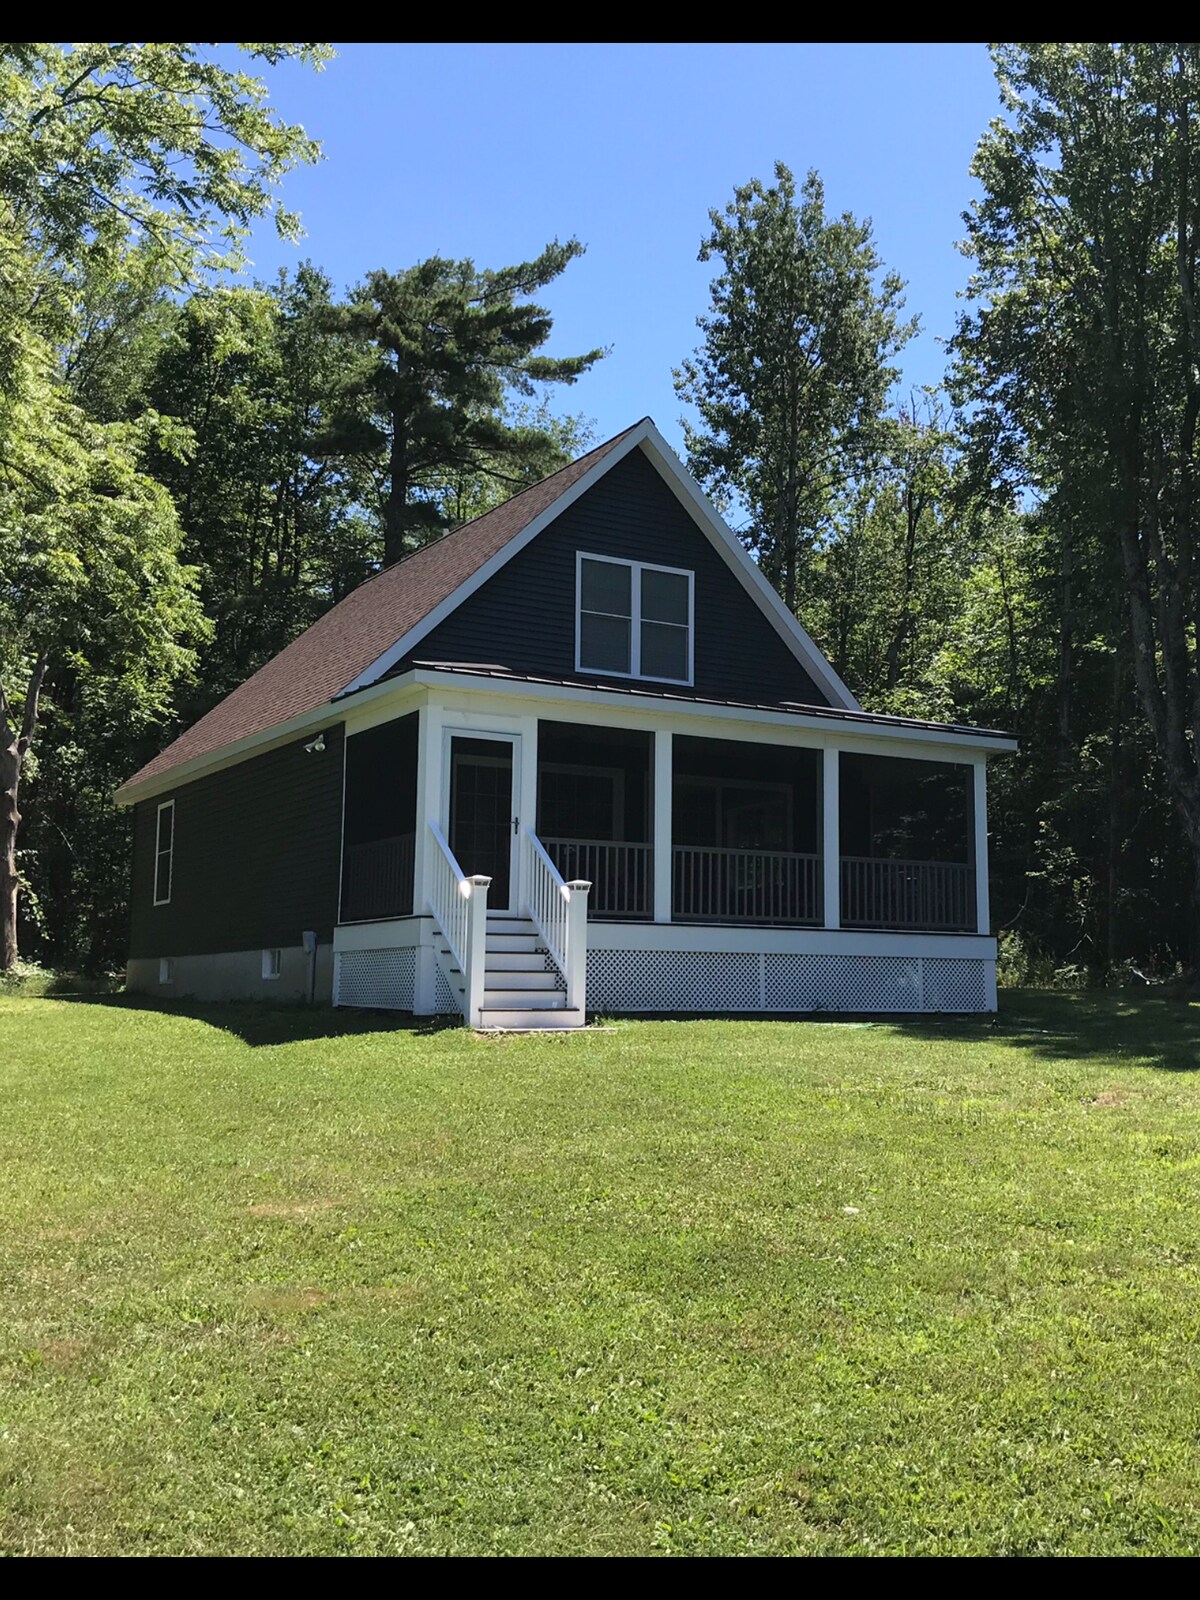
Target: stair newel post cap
{"x": 579, "y": 885}
{"x": 479, "y": 881}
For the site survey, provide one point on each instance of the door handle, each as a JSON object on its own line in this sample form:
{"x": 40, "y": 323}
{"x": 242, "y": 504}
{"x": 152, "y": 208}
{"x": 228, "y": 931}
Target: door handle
{"x": 516, "y": 824}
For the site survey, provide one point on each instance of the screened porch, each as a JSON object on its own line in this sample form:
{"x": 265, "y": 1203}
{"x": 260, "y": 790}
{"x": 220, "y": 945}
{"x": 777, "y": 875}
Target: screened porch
{"x": 742, "y": 827}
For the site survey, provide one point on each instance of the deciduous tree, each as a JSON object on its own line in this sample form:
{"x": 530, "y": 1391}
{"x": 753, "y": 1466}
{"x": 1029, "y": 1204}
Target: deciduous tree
{"x": 794, "y": 368}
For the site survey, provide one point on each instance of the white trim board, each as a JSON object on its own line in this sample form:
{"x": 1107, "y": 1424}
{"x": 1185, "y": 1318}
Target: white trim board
{"x": 590, "y": 704}
{"x": 730, "y": 938}
{"x": 395, "y": 697}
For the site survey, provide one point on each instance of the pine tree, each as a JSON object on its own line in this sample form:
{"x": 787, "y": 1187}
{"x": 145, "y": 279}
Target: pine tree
{"x": 443, "y": 345}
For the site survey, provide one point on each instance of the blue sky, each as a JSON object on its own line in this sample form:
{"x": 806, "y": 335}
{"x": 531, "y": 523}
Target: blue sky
{"x": 488, "y": 151}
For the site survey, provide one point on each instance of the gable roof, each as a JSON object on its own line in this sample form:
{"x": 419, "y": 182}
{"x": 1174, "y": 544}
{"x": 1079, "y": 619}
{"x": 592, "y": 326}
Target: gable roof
{"x": 376, "y": 625}
{"x": 340, "y": 646}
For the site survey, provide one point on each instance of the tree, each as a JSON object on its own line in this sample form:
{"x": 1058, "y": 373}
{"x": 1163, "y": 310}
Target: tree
{"x": 792, "y": 374}
{"x": 155, "y": 158}
{"x": 272, "y": 528}
{"x": 95, "y": 609}
{"x": 886, "y": 580}
{"x": 1082, "y": 357}
{"x": 105, "y": 146}
{"x": 444, "y": 345}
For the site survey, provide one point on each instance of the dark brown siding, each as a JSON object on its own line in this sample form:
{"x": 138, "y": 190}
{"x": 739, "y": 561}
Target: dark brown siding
{"x": 257, "y": 850}
{"x": 524, "y": 617}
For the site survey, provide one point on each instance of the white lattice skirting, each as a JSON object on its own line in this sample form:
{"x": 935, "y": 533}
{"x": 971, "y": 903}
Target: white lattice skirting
{"x": 382, "y": 980}
{"x": 678, "y": 980}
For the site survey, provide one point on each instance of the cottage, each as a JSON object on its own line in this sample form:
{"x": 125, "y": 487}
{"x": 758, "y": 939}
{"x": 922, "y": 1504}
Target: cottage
{"x": 575, "y": 756}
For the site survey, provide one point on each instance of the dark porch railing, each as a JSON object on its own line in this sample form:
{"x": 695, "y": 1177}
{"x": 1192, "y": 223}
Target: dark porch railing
{"x": 621, "y": 874}
{"x": 746, "y": 885}
{"x": 377, "y": 879}
{"x": 934, "y": 895}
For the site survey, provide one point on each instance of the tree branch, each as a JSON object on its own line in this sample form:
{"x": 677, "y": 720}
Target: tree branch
{"x": 32, "y": 696}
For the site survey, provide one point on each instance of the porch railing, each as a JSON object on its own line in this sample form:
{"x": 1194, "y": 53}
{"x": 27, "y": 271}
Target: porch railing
{"x": 458, "y": 905}
{"x": 558, "y": 908}
{"x": 377, "y": 879}
{"x": 746, "y": 885}
{"x": 933, "y": 895}
{"x": 621, "y": 874}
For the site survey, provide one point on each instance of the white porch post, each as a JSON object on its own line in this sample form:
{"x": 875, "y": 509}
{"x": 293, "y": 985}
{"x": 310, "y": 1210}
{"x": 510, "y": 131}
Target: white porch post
{"x": 476, "y": 951}
{"x": 983, "y": 914}
{"x": 831, "y": 847}
{"x": 525, "y": 788}
{"x": 663, "y": 853}
{"x": 577, "y": 941}
{"x": 429, "y": 788}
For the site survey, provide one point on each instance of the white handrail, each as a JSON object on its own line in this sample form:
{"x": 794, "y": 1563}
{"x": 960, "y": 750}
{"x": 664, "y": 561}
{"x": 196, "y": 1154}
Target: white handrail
{"x": 459, "y": 907}
{"x": 449, "y": 897}
{"x": 558, "y": 911}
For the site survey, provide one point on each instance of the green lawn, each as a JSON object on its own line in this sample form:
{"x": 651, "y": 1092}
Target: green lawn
{"x": 283, "y": 1282}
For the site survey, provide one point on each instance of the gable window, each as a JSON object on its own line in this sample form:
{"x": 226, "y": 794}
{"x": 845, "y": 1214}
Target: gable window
{"x": 634, "y": 620}
{"x": 164, "y": 852}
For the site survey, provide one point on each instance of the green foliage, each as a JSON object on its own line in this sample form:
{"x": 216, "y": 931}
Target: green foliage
{"x": 88, "y": 546}
{"x": 444, "y": 345}
{"x": 922, "y": 1287}
{"x": 273, "y": 530}
{"x": 91, "y": 581}
{"x": 1081, "y": 363}
{"x": 125, "y": 171}
{"x": 886, "y": 582}
{"x": 103, "y": 145}
{"x": 794, "y": 368}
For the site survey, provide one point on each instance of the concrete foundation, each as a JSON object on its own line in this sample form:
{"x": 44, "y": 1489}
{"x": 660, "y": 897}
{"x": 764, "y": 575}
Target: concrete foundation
{"x": 233, "y": 975}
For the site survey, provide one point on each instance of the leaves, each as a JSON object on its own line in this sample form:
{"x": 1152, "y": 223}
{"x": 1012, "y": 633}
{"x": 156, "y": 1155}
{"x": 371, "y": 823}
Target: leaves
{"x": 794, "y": 367}
{"x": 445, "y": 347}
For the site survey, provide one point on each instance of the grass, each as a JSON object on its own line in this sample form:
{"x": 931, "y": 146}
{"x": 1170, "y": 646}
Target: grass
{"x": 280, "y": 1282}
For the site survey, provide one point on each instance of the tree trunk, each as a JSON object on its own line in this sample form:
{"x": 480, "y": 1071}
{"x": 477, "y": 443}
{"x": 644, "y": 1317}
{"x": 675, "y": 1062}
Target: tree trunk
{"x": 10, "y": 821}
{"x": 1116, "y": 830}
{"x": 396, "y": 503}
{"x": 14, "y": 747}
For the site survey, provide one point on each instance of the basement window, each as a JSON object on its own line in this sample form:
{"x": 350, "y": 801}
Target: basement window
{"x": 166, "y": 970}
{"x": 272, "y": 963}
{"x": 164, "y": 852}
{"x": 633, "y": 620}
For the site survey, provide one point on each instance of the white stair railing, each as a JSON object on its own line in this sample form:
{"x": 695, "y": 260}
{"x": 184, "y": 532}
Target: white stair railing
{"x": 458, "y": 905}
{"x": 558, "y": 910}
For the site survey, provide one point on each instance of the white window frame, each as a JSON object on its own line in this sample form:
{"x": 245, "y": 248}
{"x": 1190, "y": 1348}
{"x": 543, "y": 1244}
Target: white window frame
{"x": 166, "y": 969}
{"x": 636, "y": 568}
{"x": 272, "y": 963}
{"x": 159, "y": 852}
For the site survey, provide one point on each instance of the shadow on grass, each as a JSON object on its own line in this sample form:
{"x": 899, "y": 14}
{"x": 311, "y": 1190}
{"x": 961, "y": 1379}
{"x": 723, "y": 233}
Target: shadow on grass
{"x": 1159, "y": 1029}
{"x": 258, "y": 1022}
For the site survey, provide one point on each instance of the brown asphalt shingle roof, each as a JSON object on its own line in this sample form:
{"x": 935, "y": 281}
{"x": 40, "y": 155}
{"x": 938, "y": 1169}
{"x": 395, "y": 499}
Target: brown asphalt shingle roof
{"x": 346, "y": 640}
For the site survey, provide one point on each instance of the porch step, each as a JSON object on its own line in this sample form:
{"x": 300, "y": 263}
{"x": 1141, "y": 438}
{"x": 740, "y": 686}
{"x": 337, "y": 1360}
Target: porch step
{"x": 505, "y": 922}
{"x": 513, "y": 1018}
{"x": 513, "y": 943}
{"x": 503, "y": 959}
{"x": 528, "y": 999}
{"x": 504, "y": 978}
